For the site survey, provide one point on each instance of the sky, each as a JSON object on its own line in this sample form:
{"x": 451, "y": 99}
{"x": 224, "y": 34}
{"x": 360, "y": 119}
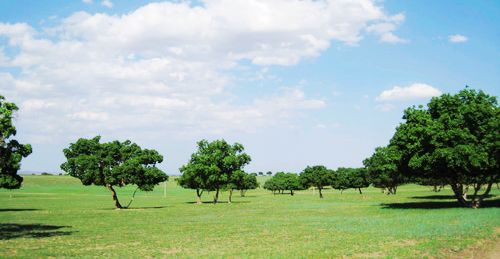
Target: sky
{"x": 297, "y": 83}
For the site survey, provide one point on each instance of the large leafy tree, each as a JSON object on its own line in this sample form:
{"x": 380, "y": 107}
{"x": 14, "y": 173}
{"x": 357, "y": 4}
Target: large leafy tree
{"x": 456, "y": 140}
{"x": 385, "y": 168}
{"x": 317, "y": 176}
{"x": 214, "y": 164}
{"x": 113, "y": 164}
{"x": 11, "y": 151}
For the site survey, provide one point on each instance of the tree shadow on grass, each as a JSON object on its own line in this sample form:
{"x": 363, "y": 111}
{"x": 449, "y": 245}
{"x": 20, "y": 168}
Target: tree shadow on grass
{"x": 134, "y": 208}
{"x": 443, "y": 197}
{"x": 211, "y": 202}
{"x": 14, "y": 209}
{"x": 437, "y": 205}
{"x": 13, "y": 230}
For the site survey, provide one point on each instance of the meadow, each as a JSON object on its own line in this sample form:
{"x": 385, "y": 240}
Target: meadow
{"x": 56, "y": 216}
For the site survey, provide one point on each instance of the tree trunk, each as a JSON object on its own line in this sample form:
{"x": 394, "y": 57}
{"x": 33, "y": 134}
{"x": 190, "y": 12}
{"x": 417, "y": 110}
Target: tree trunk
{"x": 115, "y": 197}
{"x": 230, "y": 195}
{"x": 216, "y": 196}
{"x": 341, "y": 191}
{"x": 360, "y": 191}
{"x": 242, "y": 193}
{"x": 291, "y": 192}
{"x": 459, "y": 193}
{"x": 320, "y": 194}
{"x": 198, "y": 196}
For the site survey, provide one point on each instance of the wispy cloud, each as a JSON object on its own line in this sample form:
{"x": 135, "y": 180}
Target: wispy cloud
{"x": 107, "y": 3}
{"x": 457, "y": 38}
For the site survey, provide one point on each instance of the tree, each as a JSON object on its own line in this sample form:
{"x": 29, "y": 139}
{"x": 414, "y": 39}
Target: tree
{"x": 271, "y": 185}
{"x": 346, "y": 178}
{"x": 269, "y": 173}
{"x": 214, "y": 164}
{"x": 358, "y": 179}
{"x": 241, "y": 181}
{"x": 317, "y": 176}
{"x": 340, "y": 179}
{"x": 113, "y": 164}
{"x": 11, "y": 151}
{"x": 190, "y": 179}
{"x": 456, "y": 140}
{"x": 249, "y": 183}
{"x": 261, "y": 173}
{"x": 291, "y": 182}
{"x": 385, "y": 168}
{"x": 282, "y": 181}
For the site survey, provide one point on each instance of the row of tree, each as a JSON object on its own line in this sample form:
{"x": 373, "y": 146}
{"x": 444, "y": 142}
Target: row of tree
{"x": 454, "y": 140}
{"x": 318, "y": 177}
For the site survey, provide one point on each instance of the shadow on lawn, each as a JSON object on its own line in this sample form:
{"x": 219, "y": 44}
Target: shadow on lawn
{"x": 436, "y": 205}
{"x": 134, "y": 208}
{"x": 442, "y": 197}
{"x": 12, "y": 230}
{"x": 14, "y": 209}
{"x": 211, "y": 202}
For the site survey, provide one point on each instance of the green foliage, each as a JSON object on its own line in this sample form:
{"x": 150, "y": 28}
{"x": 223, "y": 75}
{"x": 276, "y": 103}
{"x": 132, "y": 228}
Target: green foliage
{"x": 281, "y": 182}
{"x": 346, "y": 178}
{"x": 11, "y": 151}
{"x": 317, "y": 176}
{"x": 211, "y": 167}
{"x": 385, "y": 169}
{"x": 455, "y": 139}
{"x": 358, "y": 178}
{"x": 113, "y": 164}
{"x": 340, "y": 178}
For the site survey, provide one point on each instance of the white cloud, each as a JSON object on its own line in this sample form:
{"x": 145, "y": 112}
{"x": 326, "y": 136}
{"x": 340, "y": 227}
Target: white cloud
{"x": 457, "y": 38}
{"x": 87, "y": 1}
{"x": 385, "y": 29}
{"x": 410, "y": 92}
{"x": 107, "y": 3}
{"x": 165, "y": 67}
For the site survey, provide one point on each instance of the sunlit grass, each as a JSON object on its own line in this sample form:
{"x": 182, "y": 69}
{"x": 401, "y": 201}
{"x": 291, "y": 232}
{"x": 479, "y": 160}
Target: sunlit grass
{"x": 57, "y": 216}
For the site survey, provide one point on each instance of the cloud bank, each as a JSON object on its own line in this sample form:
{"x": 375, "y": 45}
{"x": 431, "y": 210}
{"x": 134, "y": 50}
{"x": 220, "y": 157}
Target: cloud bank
{"x": 166, "y": 67}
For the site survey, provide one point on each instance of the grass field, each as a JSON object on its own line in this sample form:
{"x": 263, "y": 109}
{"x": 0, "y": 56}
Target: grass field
{"x": 57, "y": 216}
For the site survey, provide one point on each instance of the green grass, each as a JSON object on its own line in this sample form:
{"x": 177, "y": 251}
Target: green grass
{"x": 57, "y": 216}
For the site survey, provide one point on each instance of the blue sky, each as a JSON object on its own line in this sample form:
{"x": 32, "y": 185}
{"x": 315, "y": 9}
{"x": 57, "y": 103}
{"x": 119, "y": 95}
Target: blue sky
{"x": 296, "y": 82}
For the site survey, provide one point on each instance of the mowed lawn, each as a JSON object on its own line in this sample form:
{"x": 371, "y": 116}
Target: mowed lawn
{"x": 57, "y": 216}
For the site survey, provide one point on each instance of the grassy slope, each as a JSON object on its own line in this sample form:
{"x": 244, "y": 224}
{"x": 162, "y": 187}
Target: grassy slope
{"x": 57, "y": 216}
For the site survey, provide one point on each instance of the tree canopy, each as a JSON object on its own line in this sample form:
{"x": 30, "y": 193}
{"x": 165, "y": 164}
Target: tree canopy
{"x": 385, "y": 169}
{"x": 282, "y": 181}
{"x": 113, "y": 164}
{"x": 11, "y": 151}
{"x": 317, "y": 176}
{"x": 211, "y": 167}
{"x": 346, "y": 178}
{"x": 455, "y": 139}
